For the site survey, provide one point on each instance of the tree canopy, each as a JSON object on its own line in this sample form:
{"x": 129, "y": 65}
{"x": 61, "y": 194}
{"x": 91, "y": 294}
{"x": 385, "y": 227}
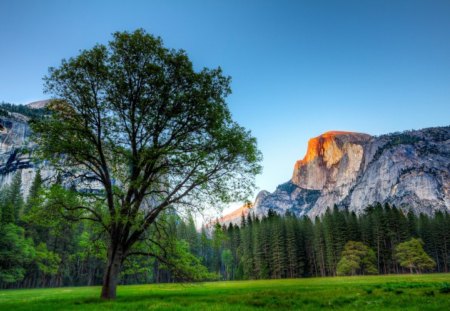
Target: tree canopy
{"x": 137, "y": 126}
{"x": 357, "y": 258}
{"x": 410, "y": 254}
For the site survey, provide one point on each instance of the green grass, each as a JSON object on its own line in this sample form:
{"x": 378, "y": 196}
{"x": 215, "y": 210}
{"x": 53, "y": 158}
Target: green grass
{"x": 394, "y": 292}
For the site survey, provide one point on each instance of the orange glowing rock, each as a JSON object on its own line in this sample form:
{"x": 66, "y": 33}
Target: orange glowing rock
{"x": 236, "y": 214}
{"x": 319, "y": 145}
{"x": 333, "y": 159}
{"x": 324, "y": 152}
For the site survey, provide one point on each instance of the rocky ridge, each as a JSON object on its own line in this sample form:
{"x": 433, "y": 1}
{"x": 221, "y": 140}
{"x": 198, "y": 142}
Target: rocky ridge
{"x": 353, "y": 170}
{"x": 347, "y": 169}
{"x": 16, "y": 148}
{"x": 14, "y": 142}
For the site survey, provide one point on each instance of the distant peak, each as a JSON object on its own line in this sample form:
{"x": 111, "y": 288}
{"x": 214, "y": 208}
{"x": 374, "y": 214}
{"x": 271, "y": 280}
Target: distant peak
{"x": 325, "y": 151}
{"x": 318, "y": 145}
{"x": 241, "y": 211}
{"x": 38, "y": 104}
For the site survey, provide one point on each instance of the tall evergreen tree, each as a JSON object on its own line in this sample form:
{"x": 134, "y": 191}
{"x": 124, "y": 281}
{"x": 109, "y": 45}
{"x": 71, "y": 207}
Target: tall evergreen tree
{"x": 12, "y": 200}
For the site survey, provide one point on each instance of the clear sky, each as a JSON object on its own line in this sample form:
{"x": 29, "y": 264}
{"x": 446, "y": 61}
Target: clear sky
{"x": 299, "y": 68}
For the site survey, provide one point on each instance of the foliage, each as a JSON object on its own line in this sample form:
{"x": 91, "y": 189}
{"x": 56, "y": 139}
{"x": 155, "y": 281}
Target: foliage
{"x": 6, "y": 108}
{"x": 47, "y": 261}
{"x": 185, "y": 265}
{"x": 356, "y": 258}
{"x": 347, "y": 266}
{"x": 146, "y": 132}
{"x": 275, "y": 246}
{"x": 11, "y": 200}
{"x": 16, "y": 252}
{"x": 227, "y": 259}
{"x": 410, "y": 254}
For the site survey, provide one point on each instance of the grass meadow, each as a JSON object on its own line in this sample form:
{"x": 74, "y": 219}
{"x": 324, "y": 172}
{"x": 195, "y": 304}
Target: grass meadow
{"x": 393, "y": 292}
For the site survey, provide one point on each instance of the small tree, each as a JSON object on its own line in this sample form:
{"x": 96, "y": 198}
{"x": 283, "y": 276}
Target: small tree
{"x": 357, "y": 258}
{"x": 411, "y": 255}
{"x": 135, "y": 119}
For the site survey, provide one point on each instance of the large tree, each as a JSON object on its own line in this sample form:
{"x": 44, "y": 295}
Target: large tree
{"x": 136, "y": 123}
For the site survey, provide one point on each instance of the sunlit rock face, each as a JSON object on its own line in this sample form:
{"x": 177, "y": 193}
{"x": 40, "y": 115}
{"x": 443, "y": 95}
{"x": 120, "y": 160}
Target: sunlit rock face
{"x": 234, "y": 217}
{"x": 39, "y": 104}
{"x": 331, "y": 165}
{"x": 333, "y": 157}
{"x": 353, "y": 170}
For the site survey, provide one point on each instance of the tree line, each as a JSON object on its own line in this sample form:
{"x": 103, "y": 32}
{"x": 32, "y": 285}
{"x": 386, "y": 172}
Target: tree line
{"x": 287, "y": 246}
{"x": 33, "y": 113}
{"x": 41, "y": 249}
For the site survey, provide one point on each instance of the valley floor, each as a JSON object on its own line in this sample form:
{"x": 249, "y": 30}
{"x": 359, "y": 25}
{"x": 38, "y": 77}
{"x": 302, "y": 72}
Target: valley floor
{"x": 393, "y": 292}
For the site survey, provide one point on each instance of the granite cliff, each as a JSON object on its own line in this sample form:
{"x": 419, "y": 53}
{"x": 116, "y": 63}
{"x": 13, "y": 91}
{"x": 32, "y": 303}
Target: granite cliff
{"x": 353, "y": 170}
{"x": 16, "y": 148}
{"x": 14, "y": 142}
{"x": 347, "y": 169}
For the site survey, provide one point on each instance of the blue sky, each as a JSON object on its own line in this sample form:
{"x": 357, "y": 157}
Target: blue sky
{"x": 299, "y": 68}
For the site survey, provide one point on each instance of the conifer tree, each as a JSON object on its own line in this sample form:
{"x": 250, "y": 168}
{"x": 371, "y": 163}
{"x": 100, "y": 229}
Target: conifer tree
{"x": 307, "y": 239}
{"x": 319, "y": 247}
{"x": 294, "y": 258}
{"x": 12, "y": 200}
{"x": 246, "y": 251}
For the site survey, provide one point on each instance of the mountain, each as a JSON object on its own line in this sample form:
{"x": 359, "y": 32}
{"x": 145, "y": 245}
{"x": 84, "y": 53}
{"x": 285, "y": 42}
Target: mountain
{"x": 347, "y": 169}
{"x": 235, "y": 216}
{"x": 16, "y": 148}
{"x": 40, "y": 104}
{"x": 353, "y": 170}
{"x": 14, "y": 141}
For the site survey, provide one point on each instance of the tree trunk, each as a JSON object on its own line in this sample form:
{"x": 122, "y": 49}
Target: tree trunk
{"x": 111, "y": 276}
